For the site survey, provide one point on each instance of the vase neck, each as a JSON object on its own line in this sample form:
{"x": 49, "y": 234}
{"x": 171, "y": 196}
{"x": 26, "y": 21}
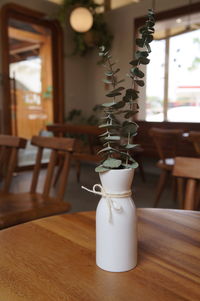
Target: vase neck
{"x": 117, "y": 181}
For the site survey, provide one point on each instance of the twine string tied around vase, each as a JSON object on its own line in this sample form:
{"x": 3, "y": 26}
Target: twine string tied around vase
{"x": 112, "y": 204}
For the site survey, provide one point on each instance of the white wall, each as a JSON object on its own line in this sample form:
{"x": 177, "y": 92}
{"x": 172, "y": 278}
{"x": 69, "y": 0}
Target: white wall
{"x": 76, "y": 74}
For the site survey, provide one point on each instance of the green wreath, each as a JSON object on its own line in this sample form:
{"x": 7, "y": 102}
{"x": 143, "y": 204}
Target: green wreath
{"x": 98, "y": 35}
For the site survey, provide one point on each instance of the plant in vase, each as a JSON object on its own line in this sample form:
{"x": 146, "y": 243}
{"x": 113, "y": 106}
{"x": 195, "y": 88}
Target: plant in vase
{"x": 116, "y": 226}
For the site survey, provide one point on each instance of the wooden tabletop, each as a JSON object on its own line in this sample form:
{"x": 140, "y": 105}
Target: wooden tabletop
{"x": 54, "y": 259}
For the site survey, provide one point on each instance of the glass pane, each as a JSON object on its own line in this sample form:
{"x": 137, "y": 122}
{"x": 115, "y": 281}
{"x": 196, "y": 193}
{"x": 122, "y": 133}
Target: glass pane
{"x": 184, "y": 85}
{"x": 31, "y": 83}
{"x": 155, "y": 82}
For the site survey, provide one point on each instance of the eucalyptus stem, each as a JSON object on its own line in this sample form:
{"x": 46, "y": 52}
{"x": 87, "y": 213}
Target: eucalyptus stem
{"x": 116, "y": 153}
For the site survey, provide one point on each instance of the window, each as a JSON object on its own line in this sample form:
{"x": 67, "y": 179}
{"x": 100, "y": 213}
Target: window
{"x": 173, "y": 75}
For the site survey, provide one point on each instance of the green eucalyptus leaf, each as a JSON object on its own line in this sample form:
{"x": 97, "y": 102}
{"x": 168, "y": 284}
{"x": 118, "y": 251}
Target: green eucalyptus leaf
{"x": 119, "y": 105}
{"x": 140, "y": 42}
{"x": 140, "y": 83}
{"x": 152, "y": 30}
{"x": 106, "y": 81}
{"x": 144, "y": 61}
{"x": 130, "y": 128}
{"x": 148, "y": 47}
{"x": 113, "y": 94}
{"x": 149, "y": 38}
{"x": 130, "y": 123}
{"x": 109, "y": 126}
{"x": 130, "y": 146}
{"x": 108, "y": 143}
{"x": 112, "y": 138}
{"x": 106, "y": 149}
{"x": 106, "y": 53}
{"x": 142, "y": 29}
{"x": 112, "y": 163}
{"x": 150, "y": 12}
{"x": 150, "y": 23}
{"x": 101, "y": 168}
{"x": 126, "y": 155}
{"x": 102, "y": 48}
{"x": 143, "y": 54}
{"x": 138, "y": 72}
{"x": 132, "y": 165}
{"x": 140, "y": 54}
{"x": 134, "y": 62}
{"x": 104, "y": 134}
{"x": 108, "y": 104}
{"x": 108, "y": 73}
{"x": 118, "y": 89}
{"x": 131, "y": 94}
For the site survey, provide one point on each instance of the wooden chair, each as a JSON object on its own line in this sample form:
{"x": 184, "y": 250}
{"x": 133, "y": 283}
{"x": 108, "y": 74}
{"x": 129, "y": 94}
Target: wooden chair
{"x": 188, "y": 169}
{"x": 88, "y": 144}
{"x": 17, "y": 208}
{"x": 166, "y": 142}
{"x": 194, "y": 137}
{"x": 9, "y": 146}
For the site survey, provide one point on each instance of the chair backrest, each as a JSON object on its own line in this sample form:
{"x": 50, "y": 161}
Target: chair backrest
{"x": 56, "y": 144}
{"x": 187, "y": 167}
{"x": 166, "y": 140}
{"x": 88, "y": 132}
{"x": 9, "y": 146}
{"x": 194, "y": 137}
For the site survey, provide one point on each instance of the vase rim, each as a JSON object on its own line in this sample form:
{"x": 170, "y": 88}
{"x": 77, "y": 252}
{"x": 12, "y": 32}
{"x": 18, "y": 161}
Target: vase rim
{"x": 117, "y": 170}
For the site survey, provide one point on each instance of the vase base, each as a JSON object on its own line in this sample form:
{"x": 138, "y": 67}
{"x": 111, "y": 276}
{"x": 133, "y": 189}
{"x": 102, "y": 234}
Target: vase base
{"x": 116, "y": 270}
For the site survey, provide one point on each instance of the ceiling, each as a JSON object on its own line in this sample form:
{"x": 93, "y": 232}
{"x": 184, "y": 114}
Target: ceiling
{"x": 113, "y": 3}
{"x": 25, "y": 40}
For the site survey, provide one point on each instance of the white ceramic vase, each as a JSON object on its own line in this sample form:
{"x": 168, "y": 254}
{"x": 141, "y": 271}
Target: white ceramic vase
{"x": 116, "y": 223}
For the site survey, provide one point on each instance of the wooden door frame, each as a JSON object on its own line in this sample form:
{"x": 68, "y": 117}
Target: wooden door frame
{"x": 28, "y": 15}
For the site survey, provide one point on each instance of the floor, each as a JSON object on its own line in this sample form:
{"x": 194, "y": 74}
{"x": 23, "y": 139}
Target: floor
{"x": 81, "y": 200}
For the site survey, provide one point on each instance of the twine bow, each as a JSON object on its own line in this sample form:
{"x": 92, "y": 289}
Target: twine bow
{"x": 109, "y": 198}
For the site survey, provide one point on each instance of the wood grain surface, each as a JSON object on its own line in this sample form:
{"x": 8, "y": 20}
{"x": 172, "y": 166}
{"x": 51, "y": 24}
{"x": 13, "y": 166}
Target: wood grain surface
{"x": 54, "y": 259}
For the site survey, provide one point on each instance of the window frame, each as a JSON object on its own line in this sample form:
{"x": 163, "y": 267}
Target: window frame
{"x": 161, "y": 16}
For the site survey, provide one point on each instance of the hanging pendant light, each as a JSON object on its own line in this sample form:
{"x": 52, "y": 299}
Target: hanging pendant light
{"x": 81, "y": 19}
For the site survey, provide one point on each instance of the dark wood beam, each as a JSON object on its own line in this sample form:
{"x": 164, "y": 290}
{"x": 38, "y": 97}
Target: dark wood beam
{"x": 22, "y": 57}
{"x": 23, "y": 35}
{"x": 107, "y": 5}
{"x": 23, "y": 47}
